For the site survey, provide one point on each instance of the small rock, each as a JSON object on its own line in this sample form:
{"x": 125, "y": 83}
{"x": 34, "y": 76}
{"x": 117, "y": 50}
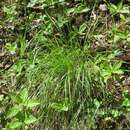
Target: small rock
{"x": 103, "y": 7}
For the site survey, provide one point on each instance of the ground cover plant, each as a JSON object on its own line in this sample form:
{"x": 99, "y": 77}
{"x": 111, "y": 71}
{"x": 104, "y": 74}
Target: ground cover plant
{"x": 64, "y": 65}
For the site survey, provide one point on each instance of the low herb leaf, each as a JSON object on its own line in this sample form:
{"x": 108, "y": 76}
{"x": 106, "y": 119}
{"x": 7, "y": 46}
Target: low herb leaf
{"x": 30, "y": 119}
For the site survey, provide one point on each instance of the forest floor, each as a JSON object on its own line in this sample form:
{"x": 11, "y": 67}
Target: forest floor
{"x": 64, "y": 65}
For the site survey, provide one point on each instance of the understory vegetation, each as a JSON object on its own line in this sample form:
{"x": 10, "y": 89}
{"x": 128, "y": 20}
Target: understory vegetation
{"x": 64, "y": 65}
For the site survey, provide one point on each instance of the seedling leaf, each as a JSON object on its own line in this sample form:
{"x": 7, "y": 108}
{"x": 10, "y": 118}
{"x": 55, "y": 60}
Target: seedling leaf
{"x": 14, "y": 111}
{"x": 30, "y": 119}
{"x": 24, "y": 94}
{"x": 31, "y": 103}
{"x": 15, "y": 124}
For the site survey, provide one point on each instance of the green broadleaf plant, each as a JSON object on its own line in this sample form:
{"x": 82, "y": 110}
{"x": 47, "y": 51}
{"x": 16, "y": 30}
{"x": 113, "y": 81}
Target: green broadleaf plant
{"x": 22, "y": 108}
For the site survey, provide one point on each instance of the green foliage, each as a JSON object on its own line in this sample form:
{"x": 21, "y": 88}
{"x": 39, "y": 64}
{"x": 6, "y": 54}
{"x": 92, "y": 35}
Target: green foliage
{"x": 20, "y": 114}
{"x": 80, "y": 8}
{"x": 126, "y": 100}
{"x": 118, "y": 9}
{"x": 61, "y": 106}
{"x": 108, "y": 70}
{"x": 11, "y": 47}
{"x": 120, "y": 35}
{"x": 11, "y": 12}
{"x": 45, "y": 3}
{"x": 66, "y": 55}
